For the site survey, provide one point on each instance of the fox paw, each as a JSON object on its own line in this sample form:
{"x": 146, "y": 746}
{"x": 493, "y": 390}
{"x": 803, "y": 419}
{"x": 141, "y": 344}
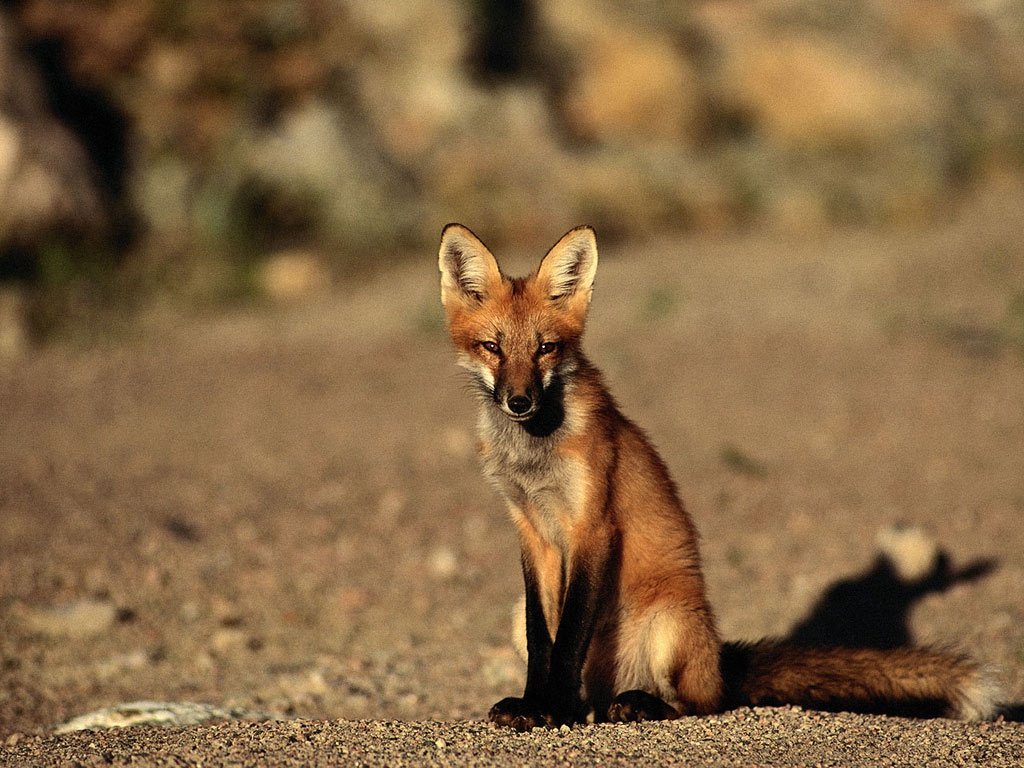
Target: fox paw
{"x": 513, "y": 712}
{"x": 516, "y": 713}
{"x": 637, "y": 706}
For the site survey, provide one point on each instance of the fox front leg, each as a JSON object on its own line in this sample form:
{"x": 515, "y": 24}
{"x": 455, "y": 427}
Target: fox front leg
{"x": 554, "y": 668}
{"x": 525, "y": 713}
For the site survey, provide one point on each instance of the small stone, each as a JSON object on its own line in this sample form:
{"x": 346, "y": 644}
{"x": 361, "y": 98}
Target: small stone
{"x": 293, "y": 275}
{"x": 226, "y": 640}
{"x": 391, "y": 502}
{"x": 122, "y": 663}
{"x": 163, "y": 714}
{"x": 457, "y": 442}
{"x": 911, "y": 551}
{"x": 85, "y": 618}
{"x": 443, "y": 563}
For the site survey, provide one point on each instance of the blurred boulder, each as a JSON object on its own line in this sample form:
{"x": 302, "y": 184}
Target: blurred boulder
{"x": 626, "y": 82}
{"x": 292, "y": 276}
{"x": 322, "y": 178}
{"x": 84, "y": 618}
{"x": 411, "y": 80}
{"x": 811, "y": 94}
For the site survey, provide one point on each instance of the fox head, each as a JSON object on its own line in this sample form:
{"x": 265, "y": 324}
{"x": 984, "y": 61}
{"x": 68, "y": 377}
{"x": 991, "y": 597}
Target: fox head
{"x": 518, "y": 337}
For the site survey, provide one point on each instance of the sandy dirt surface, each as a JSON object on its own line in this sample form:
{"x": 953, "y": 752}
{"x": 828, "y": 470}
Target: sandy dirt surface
{"x": 280, "y": 510}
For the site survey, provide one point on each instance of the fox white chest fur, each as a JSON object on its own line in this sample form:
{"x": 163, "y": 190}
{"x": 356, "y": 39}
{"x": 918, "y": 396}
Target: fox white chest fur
{"x": 541, "y": 485}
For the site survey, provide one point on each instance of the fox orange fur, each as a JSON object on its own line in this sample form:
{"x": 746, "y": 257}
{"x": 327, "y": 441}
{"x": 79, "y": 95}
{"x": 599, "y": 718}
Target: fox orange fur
{"x": 618, "y": 625}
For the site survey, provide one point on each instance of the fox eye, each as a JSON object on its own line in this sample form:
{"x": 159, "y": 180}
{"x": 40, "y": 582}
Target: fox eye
{"x": 547, "y": 347}
{"x": 491, "y": 346}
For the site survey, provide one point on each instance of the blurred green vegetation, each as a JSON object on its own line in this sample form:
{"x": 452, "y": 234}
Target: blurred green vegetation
{"x": 661, "y": 303}
{"x": 740, "y": 462}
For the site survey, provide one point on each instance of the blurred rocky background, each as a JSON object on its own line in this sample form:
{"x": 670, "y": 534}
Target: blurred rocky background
{"x": 196, "y": 151}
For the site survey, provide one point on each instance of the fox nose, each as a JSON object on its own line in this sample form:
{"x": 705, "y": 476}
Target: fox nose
{"x": 519, "y": 404}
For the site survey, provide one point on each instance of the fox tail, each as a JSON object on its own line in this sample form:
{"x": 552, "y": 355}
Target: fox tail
{"x": 912, "y": 682}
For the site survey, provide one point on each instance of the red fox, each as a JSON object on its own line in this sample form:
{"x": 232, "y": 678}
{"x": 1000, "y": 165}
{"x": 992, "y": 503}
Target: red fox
{"x": 618, "y": 625}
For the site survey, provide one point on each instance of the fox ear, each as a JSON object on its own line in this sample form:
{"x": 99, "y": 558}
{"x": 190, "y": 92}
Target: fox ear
{"x": 567, "y": 271}
{"x": 468, "y": 270}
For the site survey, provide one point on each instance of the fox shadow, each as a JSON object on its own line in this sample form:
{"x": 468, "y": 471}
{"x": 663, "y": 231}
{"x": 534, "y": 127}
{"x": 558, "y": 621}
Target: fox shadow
{"x": 872, "y": 609}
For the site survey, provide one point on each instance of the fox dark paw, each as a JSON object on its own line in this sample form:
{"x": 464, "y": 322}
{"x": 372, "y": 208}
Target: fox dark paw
{"x": 516, "y": 713}
{"x": 521, "y": 715}
{"x": 637, "y": 706}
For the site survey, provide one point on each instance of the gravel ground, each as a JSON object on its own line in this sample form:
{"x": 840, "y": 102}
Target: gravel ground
{"x": 278, "y": 510}
{"x": 761, "y": 737}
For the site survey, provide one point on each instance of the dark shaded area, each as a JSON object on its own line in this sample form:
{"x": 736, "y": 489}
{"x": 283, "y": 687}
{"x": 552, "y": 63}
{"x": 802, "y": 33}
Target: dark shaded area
{"x": 1014, "y": 713}
{"x": 266, "y": 216}
{"x": 18, "y": 263}
{"x": 502, "y": 47}
{"x": 104, "y": 131}
{"x": 872, "y": 610}
{"x": 98, "y": 123}
{"x": 182, "y": 529}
